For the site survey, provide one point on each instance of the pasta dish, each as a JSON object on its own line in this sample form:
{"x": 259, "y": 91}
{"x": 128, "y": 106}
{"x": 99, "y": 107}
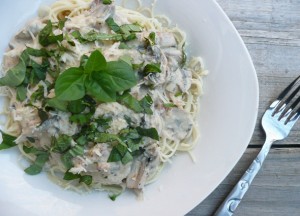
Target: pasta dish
{"x": 99, "y": 96}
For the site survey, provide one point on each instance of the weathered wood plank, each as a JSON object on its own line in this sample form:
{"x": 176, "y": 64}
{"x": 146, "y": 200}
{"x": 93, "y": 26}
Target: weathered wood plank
{"x": 275, "y": 190}
{"x": 271, "y": 31}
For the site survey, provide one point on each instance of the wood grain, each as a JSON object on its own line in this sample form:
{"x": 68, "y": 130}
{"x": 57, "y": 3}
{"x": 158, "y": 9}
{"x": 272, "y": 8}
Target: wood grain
{"x": 271, "y": 32}
{"x": 275, "y": 190}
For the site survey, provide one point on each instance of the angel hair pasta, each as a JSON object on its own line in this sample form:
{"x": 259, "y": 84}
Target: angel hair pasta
{"x": 100, "y": 97}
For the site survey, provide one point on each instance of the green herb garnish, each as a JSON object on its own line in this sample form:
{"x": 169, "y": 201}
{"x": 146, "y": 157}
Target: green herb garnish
{"x": 99, "y": 79}
{"x": 8, "y": 141}
{"x": 47, "y": 37}
{"x": 107, "y": 2}
{"x": 152, "y": 68}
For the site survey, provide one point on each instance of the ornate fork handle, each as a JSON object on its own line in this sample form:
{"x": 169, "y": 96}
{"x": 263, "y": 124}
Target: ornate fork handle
{"x": 232, "y": 201}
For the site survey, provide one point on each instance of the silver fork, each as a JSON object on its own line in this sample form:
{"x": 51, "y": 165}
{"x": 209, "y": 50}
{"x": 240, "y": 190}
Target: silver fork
{"x": 277, "y": 123}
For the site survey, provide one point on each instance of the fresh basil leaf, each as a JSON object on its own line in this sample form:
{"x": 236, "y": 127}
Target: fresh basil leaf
{"x": 95, "y": 62}
{"x": 21, "y": 93}
{"x": 62, "y": 143}
{"x": 61, "y": 23}
{"x": 127, "y": 158}
{"x": 117, "y": 75}
{"x": 114, "y": 156}
{"x": 128, "y": 28}
{"x": 169, "y": 105}
{"x": 77, "y": 35}
{"x": 33, "y": 150}
{"x": 137, "y": 66}
{"x": 46, "y": 36}
{"x": 113, "y": 25}
{"x": 123, "y": 45}
{"x": 131, "y": 102}
{"x": 113, "y": 197}
{"x": 82, "y": 140}
{"x": 150, "y": 41}
{"x": 146, "y": 103}
{"x": 38, "y": 164}
{"x": 107, "y": 2}
{"x": 71, "y": 176}
{"x": 45, "y": 32}
{"x": 94, "y": 36}
{"x": 81, "y": 119}
{"x": 178, "y": 94}
{"x": 152, "y": 37}
{"x": 69, "y": 85}
{"x": 129, "y": 37}
{"x": 122, "y": 149}
{"x": 38, "y": 94}
{"x": 105, "y": 137}
{"x": 100, "y": 92}
{"x": 57, "y": 104}
{"x": 152, "y": 68}
{"x": 150, "y": 132}
{"x": 37, "y": 52}
{"x": 40, "y": 70}
{"x": 77, "y": 150}
{"x": 8, "y": 141}
{"x": 67, "y": 160}
{"x": 76, "y": 107}
{"x": 15, "y": 76}
{"x": 129, "y": 134}
{"x": 86, "y": 179}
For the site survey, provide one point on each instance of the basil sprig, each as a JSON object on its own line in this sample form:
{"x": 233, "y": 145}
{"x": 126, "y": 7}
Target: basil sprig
{"x": 98, "y": 78}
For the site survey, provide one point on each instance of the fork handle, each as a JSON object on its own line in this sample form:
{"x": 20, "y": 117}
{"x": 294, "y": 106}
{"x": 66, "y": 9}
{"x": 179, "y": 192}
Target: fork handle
{"x": 232, "y": 201}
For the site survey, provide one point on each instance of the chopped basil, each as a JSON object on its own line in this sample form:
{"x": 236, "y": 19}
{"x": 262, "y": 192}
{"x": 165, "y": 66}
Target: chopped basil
{"x": 94, "y": 36}
{"x": 142, "y": 106}
{"x": 8, "y": 141}
{"x": 123, "y": 45}
{"x": 81, "y": 119}
{"x": 86, "y": 179}
{"x": 114, "y": 156}
{"x": 113, "y": 25}
{"x": 37, "y": 166}
{"x": 46, "y": 36}
{"x": 66, "y": 158}
{"x": 152, "y": 68}
{"x": 15, "y": 75}
{"x": 107, "y": 2}
{"x": 71, "y": 176}
{"x": 62, "y": 143}
{"x": 61, "y": 23}
{"x": 21, "y": 93}
{"x": 146, "y": 103}
{"x": 169, "y": 105}
{"x": 150, "y": 132}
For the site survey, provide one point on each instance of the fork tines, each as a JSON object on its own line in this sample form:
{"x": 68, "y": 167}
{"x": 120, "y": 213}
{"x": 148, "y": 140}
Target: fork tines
{"x": 286, "y": 111}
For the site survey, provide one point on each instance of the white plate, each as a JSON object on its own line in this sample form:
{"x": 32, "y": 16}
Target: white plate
{"x": 227, "y": 119}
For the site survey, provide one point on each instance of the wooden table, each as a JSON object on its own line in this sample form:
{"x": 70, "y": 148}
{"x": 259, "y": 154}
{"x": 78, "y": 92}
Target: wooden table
{"x": 271, "y": 31}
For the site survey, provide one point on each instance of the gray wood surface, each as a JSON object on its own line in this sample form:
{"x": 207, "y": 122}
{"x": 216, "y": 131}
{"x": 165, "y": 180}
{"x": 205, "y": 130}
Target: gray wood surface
{"x": 271, "y": 31}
